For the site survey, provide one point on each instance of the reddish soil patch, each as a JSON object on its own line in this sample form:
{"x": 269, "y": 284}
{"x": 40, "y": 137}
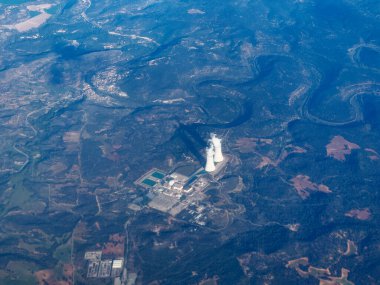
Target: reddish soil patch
{"x": 264, "y": 162}
{"x": 46, "y": 277}
{"x": 338, "y": 280}
{"x": 115, "y": 245}
{"x": 68, "y": 270}
{"x": 296, "y": 263}
{"x": 117, "y": 146}
{"x": 117, "y": 238}
{"x": 360, "y": 214}
{"x": 339, "y": 147}
{"x": 352, "y": 249}
{"x": 244, "y": 261}
{"x": 247, "y": 145}
{"x": 373, "y": 155}
{"x": 293, "y": 227}
{"x": 322, "y": 274}
{"x": 304, "y": 186}
{"x": 75, "y": 167}
{"x": 97, "y": 225}
{"x": 290, "y": 149}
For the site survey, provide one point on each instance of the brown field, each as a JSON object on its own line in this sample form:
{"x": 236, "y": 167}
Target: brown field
{"x": 115, "y": 245}
{"x": 339, "y": 148}
{"x": 247, "y": 145}
{"x": 360, "y": 214}
{"x": 304, "y": 186}
{"x": 372, "y": 154}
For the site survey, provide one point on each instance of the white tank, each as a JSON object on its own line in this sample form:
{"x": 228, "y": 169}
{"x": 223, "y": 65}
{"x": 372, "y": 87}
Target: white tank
{"x": 217, "y": 143}
{"x": 210, "y": 165}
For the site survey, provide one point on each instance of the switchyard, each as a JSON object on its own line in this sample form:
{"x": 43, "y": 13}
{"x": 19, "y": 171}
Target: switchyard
{"x": 106, "y": 268}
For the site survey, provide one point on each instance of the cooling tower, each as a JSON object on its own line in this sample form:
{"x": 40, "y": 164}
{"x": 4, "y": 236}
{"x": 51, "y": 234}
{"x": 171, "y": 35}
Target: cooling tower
{"x": 218, "y": 155}
{"x": 210, "y": 166}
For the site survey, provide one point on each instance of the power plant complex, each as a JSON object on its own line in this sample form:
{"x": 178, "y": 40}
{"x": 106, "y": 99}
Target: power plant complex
{"x": 213, "y": 153}
{"x": 178, "y": 189}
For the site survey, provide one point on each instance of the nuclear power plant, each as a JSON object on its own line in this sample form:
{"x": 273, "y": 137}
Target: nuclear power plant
{"x": 180, "y": 189}
{"x": 213, "y": 153}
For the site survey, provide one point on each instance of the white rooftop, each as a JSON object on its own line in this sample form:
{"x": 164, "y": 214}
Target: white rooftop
{"x": 117, "y": 263}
